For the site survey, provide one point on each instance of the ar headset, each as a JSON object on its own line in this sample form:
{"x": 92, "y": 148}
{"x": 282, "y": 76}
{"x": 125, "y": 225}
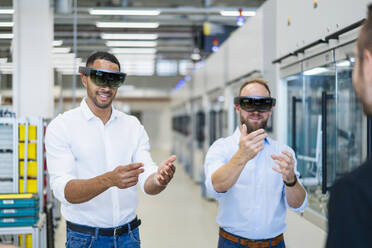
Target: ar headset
{"x": 255, "y": 103}
{"x": 104, "y": 78}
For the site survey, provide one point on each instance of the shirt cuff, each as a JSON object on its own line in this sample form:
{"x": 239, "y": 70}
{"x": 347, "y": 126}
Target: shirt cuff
{"x": 145, "y": 175}
{"x": 300, "y": 209}
{"x": 210, "y": 189}
{"x": 58, "y": 186}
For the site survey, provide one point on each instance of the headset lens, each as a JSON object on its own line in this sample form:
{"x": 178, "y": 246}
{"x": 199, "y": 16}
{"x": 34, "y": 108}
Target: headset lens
{"x": 107, "y": 79}
{"x": 259, "y": 104}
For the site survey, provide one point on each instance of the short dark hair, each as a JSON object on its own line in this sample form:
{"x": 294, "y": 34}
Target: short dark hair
{"x": 102, "y": 55}
{"x": 365, "y": 36}
{"x": 256, "y": 81}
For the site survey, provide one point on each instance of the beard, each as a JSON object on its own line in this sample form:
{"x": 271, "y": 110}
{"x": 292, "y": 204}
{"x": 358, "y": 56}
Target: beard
{"x": 93, "y": 96}
{"x": 251, "y": 127}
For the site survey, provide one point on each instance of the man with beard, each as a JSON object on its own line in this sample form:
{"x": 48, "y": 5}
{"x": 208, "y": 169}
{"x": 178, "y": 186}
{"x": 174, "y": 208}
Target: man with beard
{"x": 96, "y": 156}
{"x": 253, "y": 177}
{"x": 350, "y": 203}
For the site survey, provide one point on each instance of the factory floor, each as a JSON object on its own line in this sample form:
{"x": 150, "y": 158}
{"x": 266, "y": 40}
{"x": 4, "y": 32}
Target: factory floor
{"x": 179, "y": 217}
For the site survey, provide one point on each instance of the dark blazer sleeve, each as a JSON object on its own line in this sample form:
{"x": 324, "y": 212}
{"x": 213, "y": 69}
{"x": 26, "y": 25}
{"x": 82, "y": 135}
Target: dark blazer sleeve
{"x": 349, "y": 216}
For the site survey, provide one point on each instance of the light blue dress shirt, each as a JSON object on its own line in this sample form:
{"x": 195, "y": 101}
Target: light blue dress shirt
{"x": 255, "y": 207}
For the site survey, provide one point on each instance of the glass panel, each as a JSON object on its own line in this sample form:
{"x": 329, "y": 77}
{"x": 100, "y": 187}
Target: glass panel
{"x": 325, "y": 94}
{"x": 351, "y": 123}
{"x": 294, "y": 126}
{"x": 212, "y": 126}
{"x": 319, "y": 99}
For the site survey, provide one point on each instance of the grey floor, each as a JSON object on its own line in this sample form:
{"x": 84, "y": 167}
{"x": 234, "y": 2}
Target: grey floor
{"x": 179, "y": 217}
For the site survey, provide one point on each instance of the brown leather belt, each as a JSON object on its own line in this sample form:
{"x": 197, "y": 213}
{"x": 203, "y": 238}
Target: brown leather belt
{"x": 251, "y": 243}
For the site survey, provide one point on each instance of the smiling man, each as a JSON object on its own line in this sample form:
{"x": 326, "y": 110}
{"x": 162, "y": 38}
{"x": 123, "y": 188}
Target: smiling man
{"x": 253, "y": 177}
{"x": 96, "y": 155}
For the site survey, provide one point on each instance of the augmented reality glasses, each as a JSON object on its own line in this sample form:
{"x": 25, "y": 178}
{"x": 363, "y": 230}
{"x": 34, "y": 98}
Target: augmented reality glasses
{"x": 255, "y": 103}
{"x": 104, "y": 78}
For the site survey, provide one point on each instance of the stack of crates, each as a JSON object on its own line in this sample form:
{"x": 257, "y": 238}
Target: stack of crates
{"x": 27, "y": 147}
{"x": 7, "y": 155}
{"x": 21, "y": 185}
{"x": 18, "y": 209}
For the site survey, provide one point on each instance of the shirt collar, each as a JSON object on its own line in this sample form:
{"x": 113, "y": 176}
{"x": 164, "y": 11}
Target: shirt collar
{"x": 236, "y": 136}
{"x": 88, "y": 114}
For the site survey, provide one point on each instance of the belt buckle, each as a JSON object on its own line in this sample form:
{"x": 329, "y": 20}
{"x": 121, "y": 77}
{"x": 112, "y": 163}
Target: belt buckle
{"x": 115, "y": 231}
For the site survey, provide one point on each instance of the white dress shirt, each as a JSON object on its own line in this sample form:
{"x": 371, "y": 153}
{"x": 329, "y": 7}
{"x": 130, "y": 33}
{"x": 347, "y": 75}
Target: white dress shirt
{"x": 255, "y": 206}
{"x": 80, "y": 146}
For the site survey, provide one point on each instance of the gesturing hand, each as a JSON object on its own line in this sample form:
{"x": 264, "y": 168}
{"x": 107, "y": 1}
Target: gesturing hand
{"x": 251, "y": 144}
{"x": 125, "y": 176}
{"x": 166, "y": 171}
{"x": 286, "y": 166}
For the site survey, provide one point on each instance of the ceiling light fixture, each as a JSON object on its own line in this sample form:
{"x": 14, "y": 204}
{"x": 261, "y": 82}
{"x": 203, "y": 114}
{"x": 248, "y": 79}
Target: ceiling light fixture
{"x": 61, "y": 49}
{"x": 123, "y": 12}
{"x": 315, "y": 71}
{"x": 6, "y": 36}
{"x": 131, "y": 43}
{"x": 133, "y": 50}
{"x": 344, "y": 63}
{"x": 6, "y": 24}
{"x": 107, "y": 36}
{"x": 127, "y": 25}
{"x": 236, "y": 13}
{"x": 6, "y": 11}
{"x": 57, "y": 43}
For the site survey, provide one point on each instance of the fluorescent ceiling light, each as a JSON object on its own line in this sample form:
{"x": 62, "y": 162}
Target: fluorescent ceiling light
{"x": 344, "y": 63}
{"x": 135, "y": 57}
{"x": 123, "y": 12}
{"x": 315, "y": 71}
{"x": 127, "y": 87}
{"x": 6, "y": 11}
{"x": 68, "y": 71}
{"x": 236, "y": 13}
{"x": 6, "y": 36}
{"x": 195, "y": 56}
{"x": 61, "y": 49}
{"x": 131, "y": 43}
{"x": 134, "y": 50}
{"x": 57, "y": 43}
{"x": 127, "y": 25}
{"x": 6, "y": 24}
{"x": 107, "y": 36}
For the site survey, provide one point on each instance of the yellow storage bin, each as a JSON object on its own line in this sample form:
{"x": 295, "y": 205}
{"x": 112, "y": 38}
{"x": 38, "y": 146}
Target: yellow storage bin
{"x": 31, "y": 132}
{"x": 28, "y": 240}
{"x": 31, "y": 186}
{"x": 31, "y": 153}
{"x": 31, "y": 168}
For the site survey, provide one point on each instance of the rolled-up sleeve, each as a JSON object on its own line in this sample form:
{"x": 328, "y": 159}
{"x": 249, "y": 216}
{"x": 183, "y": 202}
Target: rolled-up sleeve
{"x": 142, "y": 155}
{"x": 216, "y": 157}
{"x": 60, "y": 160}
{"x": 302, "y": 208}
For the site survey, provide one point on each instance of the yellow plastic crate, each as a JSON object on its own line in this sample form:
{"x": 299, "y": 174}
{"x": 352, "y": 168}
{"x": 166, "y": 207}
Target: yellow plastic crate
{"x": 16, "y": 196}
{"x": 31, "y": 153}
{"x": 28, "y": 240}
{"x": 31, "y": 168}
{"x": 31, "y": 132}
{"x": 31, "y": 186}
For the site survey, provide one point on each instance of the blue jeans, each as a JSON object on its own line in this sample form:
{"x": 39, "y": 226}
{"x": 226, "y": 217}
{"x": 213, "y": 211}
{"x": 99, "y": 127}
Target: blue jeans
{"x": 82, "y": 240}
{"x": 225, "y": 243}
